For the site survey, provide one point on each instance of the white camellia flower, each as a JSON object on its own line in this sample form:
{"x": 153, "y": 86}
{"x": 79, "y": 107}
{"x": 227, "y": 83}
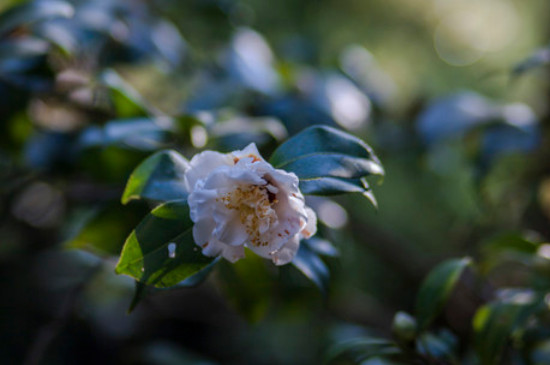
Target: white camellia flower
{"x": 239, "y": 200}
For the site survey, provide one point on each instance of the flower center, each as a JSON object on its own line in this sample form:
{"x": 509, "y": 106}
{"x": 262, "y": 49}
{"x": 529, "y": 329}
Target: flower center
{"x": 254, "y": 204}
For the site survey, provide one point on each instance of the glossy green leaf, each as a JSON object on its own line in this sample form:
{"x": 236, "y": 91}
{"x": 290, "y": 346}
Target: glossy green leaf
{"x": 158, "y": 178}
{"x": 311, "y": 265}
{"x": 32, "y": 12}
{"x": 125, "y": 99}
{"x": 142, "y": 290}
{"x": 161, "y": 250}
{"x": 437, "y": 288}
{"x": 328, "y": 161}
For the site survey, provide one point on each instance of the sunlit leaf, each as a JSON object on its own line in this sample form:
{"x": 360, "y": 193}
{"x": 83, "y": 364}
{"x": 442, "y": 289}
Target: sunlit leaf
{"x": 161, "y": 250}
{"x": 158, "y": 178}
{"x": 437, "y": 288}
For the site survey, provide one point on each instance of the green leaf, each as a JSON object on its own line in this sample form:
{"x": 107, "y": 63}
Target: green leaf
{"x": 436, "y": 289}
{"x": 327, "y": 161}
{"x": 161, "y": 251}
{"x": 32, "y": 12}
{"x": 311, "y": 265}
{"x": 158, "y": 178}
{"x": 139, "y": 294}
{"x": 141, "y": 289}
{"x": 125, "y": 99}
{"x": 361, "y": 348}
{"x": 494, "y": 323}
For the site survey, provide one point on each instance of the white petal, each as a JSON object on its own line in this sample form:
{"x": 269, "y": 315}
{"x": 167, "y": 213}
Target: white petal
{"x": 229, "y": 177}
{"x": 202, "y": 231}
{"x": 250, "y": 153}
{"x": 212, "y": 248}
{"x": 277, "y": 237}
{"x": 286, "y": 253}
{"x": 203, "y": 164}
{"x": 201, "y": 202}
{"x": 233, "y": 253}
{"x": 311, "y": 226}
{"x": 231, "y": 232}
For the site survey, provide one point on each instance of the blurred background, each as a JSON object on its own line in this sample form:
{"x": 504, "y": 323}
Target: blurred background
{"x": 452, "y": 95}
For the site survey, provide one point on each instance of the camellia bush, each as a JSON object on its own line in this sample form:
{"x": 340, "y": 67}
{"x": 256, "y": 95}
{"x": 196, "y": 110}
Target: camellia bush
{"x": 201, "y": 182}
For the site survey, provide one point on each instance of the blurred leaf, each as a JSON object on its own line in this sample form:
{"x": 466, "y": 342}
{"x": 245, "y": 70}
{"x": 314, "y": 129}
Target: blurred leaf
{"x": 507, "y": 248}
{"x": 437, "y": 347}
{"x": 33, "y": 11}
{"x": 112, "y": 164}
{"x": 538, "y": 59}
{"x": 16, "y": 55}
{"x": 311, "y": 265}
{"x": 125, "y": 99}
{"x": 137, "y": 133}
{"x": 327, "y": 161}
{"x": 495, "y": 323}
{"x": 161, "y": 250}
{"x": 321, "y": 246}
{"x": 240, "y": 131}
{"x": 437, "y": 288}
{"x": 510, "y": 242}
{"x": 540, "y": 355}
{"x": 453, "y": 116}
{"x": 359, "y": 349}
{"x": 248, "y": 285}
{"x": 103, "y": 231}
{"x": 158, "y": 178}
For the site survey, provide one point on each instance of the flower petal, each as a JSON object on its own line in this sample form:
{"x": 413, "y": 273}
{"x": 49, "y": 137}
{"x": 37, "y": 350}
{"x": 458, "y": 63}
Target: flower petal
{"x": 231, "y": 232}
{"x": 202, "y": 231}
{"x": 233, "y": 253}
{"x": 203, "y": 164}
{"x": 286, "y": 253}
{"x": 250, "y": 154}
{"x": 311, "y": 226}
